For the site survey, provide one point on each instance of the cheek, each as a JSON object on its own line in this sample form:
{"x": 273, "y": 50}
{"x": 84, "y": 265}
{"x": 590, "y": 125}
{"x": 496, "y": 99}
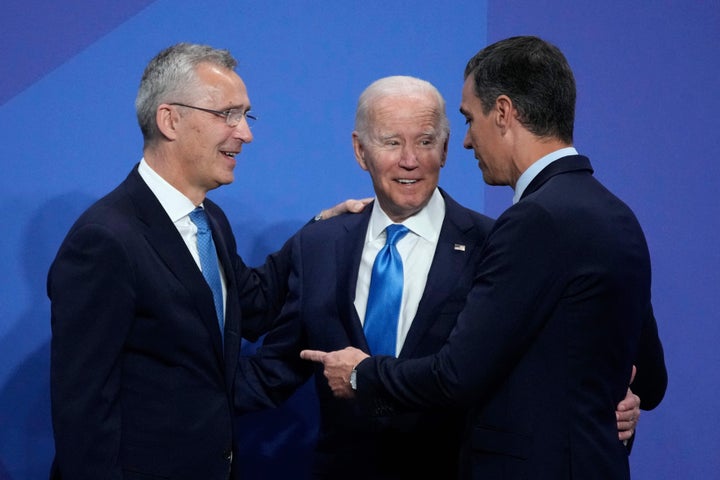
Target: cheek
{"x": 212, "y": 138}
{"x": 379, "y": 170}
{"x": 477, "y": 137}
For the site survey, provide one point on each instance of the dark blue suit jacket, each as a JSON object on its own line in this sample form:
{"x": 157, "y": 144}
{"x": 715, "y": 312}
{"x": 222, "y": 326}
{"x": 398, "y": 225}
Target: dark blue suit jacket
{"x": 141, "y": 385}
{"x": 542, "y": 353}
{"x": 319, "y": 314}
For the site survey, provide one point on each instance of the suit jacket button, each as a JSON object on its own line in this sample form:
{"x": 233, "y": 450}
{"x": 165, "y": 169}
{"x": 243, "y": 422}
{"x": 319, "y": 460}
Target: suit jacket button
{"x": 228, "y": 455}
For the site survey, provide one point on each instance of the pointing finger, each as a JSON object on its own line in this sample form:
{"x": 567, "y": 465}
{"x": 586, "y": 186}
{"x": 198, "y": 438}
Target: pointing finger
{"x": 313, "y": 355}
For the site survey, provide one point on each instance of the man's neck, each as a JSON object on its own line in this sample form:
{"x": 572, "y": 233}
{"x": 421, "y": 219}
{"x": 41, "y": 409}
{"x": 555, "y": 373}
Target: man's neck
{"x": 161, "y": 162}
{"x": 533, "y": 148}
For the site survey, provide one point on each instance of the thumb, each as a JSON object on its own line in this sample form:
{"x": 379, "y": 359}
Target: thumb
{"x": 357, "y": 206}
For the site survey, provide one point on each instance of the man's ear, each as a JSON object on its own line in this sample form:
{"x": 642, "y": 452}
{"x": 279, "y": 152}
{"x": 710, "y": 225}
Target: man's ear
{"x": 167, "y": 119}
{"x": 505, "y": 113}
{"x": 445, "y": 152}
{"x": 359, "y": 150}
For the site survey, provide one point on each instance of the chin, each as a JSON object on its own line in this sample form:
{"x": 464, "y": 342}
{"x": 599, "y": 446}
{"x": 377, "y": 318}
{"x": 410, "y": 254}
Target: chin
{"x": 228, "y": 177}
{"x": 490, "y": 180}
{"x": 225, "y": 181}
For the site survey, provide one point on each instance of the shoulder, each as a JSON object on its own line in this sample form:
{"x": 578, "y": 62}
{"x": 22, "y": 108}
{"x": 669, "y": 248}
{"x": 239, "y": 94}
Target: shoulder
{"x": 527, "y": 222}
{"x": 112, "y": 212}
{"x": 118, "y": 217}
{"x": 337, "y": 225}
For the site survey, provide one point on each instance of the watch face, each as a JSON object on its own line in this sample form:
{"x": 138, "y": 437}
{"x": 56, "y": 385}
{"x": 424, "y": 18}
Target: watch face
{"x": 353, "y": 379}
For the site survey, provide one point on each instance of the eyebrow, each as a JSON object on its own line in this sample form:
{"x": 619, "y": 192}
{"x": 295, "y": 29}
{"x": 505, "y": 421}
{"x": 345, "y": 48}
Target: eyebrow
{"x": 387, "y": 136}
{"x": 430, "y": 131}
{"x": 238, "y": 107}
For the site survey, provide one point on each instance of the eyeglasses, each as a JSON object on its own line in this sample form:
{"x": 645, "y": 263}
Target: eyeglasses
{"x": 232, "y": 117}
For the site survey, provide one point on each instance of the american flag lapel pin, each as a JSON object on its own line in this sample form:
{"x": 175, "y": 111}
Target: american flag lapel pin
{"x": 458, "y": 247}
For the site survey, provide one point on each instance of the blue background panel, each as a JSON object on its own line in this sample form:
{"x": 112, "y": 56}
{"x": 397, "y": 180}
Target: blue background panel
{"x": 647, "y": 118}
{"x": 70, "y": 135}
{"x": 647, "y": 79}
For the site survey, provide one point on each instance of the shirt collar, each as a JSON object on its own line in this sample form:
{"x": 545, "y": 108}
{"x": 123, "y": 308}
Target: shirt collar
{"x": 175, "y": 203}
{"x": 426, "y": 223}
{"x": 537, "y": 167}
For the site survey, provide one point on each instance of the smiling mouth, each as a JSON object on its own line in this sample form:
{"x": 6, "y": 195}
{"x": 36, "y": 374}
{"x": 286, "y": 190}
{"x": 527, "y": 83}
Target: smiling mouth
{"x": 405, "y": 181}
{"x": 230, "y": 154}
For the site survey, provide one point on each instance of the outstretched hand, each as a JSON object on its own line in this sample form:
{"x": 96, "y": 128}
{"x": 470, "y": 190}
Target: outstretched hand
{"x": 338, "y": 366}
{"x": 348, "y": 206}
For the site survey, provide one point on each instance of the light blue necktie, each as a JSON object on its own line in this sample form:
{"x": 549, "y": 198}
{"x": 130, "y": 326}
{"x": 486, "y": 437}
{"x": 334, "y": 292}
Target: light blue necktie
{"x": 385, "y": 295}
{"x": 209, "y": 261}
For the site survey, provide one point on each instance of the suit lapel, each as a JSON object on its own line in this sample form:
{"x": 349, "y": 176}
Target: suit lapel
{"x": 456, "y": 244}
{"x": 163, "y": 237}
{"x": 348, "y": 254}
{"x": 231, "y": 337}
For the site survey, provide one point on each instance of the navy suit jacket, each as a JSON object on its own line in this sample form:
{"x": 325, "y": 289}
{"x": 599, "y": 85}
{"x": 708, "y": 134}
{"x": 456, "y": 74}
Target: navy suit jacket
{"x": 141, "y": 382}
{"x": 319, "y": 314}
{"x": 542, "y": 353}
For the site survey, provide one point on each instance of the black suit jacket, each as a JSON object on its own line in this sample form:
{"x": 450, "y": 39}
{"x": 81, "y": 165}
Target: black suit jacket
{"x": 142, "y": 386}
{"x": 559, "y": 313}
{"x": 319, "y": 314}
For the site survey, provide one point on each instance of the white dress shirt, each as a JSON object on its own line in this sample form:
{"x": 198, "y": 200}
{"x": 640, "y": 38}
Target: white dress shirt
{"x": 416, "y": 248}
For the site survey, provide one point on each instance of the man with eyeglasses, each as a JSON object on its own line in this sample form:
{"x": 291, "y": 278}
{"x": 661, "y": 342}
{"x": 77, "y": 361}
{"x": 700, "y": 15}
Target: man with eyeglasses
{"x": 144, "y": 349}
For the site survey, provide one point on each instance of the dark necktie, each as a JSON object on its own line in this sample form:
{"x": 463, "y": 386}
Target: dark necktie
{"x": 385, "y": 295}
{"x": 209, "y": 261}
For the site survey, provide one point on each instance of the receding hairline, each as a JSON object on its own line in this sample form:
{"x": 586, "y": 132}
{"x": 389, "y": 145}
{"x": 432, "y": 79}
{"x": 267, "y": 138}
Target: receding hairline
{"x": 399, "y": 86}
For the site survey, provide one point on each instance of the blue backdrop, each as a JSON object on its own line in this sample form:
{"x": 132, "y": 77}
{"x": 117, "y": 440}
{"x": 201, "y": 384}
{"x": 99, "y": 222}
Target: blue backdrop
{"x": 647, "y": 79}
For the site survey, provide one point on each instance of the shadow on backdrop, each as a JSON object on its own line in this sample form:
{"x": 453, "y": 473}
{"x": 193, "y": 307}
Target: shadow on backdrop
{"x": 275, "y": 443}
{"x": 26, "y": 440}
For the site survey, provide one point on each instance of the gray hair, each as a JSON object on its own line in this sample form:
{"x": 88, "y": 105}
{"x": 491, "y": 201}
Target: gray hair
{"x": 397, "y": 86}
{"x": 170, "y": 77}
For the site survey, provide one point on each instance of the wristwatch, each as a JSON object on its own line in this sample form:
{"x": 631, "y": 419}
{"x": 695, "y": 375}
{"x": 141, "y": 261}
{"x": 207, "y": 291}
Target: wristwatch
{"x": 353, "y": 379}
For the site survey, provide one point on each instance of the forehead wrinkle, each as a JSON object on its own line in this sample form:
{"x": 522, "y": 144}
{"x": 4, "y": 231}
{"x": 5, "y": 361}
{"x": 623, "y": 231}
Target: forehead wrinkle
{"x": 218, "y": 97}
{"x": 207, "y": 93}
{"x": 389, "y": 135}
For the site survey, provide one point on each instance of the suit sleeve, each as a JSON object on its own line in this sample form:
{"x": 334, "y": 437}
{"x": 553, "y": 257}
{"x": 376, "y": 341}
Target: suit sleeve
{"x": 92, "y": 303}
{"x": 651, "y": 378}
{"x": 275, "y": 371}
{"x": 263, "y": 291}
{"x": 504, "y": 311}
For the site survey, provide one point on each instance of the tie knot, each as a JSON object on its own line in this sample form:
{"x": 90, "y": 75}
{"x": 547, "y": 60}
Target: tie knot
{"x": 199, "y": 218}
{"x": 394, "y": 233}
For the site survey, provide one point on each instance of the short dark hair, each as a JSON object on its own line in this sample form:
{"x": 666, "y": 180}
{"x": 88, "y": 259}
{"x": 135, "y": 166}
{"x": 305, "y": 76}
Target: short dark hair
{"x": 536, "y": 76}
